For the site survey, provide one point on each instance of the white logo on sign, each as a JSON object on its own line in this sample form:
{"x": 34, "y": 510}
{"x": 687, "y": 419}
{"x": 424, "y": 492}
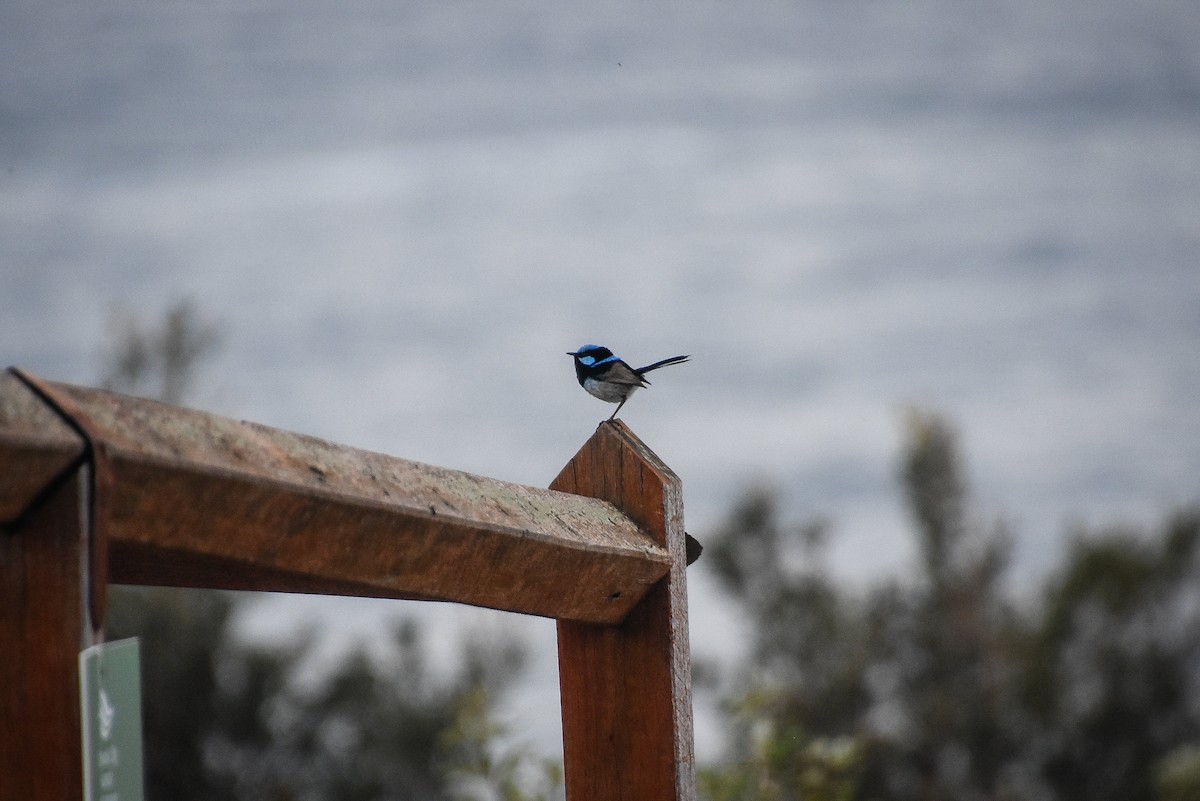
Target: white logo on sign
{"x": 105, "y": 714}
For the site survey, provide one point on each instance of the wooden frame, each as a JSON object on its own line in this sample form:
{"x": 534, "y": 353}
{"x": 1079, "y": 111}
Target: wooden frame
{"x": 193, "y": 499}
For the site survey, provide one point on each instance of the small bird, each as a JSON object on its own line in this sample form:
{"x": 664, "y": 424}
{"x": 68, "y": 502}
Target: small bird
{"x": 606, "y": 377}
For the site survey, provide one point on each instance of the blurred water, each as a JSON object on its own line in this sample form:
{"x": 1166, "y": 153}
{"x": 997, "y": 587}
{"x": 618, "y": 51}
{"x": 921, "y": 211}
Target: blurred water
{"x": 403, "y": 214}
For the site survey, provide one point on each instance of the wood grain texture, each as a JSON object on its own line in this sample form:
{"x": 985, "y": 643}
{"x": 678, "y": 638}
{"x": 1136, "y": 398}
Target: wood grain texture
{"x": 204, "y": 501}
{"x": 42, "y": 630}
{"x": 626, "y": 688}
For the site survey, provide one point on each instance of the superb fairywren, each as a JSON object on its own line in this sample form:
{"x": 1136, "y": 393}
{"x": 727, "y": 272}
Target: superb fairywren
{"x": 606, "y": 377}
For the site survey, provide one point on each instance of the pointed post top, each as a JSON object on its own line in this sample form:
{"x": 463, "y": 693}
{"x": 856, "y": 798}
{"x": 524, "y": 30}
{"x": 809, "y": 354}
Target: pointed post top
{"x": 616, "y": 466}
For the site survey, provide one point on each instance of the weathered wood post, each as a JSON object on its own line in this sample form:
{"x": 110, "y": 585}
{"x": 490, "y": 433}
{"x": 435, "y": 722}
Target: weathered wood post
{"x": 626, "y": 688}
{"x": 40, "y": 639}
{"x": 43, "y": 617}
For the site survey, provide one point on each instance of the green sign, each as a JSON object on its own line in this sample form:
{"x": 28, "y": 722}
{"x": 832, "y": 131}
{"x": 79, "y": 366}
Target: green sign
{"x": 110, "y": 684}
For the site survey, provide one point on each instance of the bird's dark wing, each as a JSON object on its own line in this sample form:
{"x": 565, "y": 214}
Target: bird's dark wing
{"x": 618, "y": 372}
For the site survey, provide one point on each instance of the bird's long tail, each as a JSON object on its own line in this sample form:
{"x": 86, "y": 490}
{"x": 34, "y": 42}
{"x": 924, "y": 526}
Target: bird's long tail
{"x": 663, "y": 363}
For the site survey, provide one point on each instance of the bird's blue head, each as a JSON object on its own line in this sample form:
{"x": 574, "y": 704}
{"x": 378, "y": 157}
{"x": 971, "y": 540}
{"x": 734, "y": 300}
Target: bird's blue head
{"x": 591, "y": 355}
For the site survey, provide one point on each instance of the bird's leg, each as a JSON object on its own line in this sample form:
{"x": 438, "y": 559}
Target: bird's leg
{"x": 619, "y": 405}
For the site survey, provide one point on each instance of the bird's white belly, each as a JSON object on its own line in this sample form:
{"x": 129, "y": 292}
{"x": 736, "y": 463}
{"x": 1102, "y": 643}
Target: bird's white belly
{"x": 608, "y": 391}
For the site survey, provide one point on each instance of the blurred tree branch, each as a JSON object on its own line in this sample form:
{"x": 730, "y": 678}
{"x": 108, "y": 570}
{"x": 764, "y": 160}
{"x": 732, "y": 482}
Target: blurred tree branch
{"x": 157, "y": 360}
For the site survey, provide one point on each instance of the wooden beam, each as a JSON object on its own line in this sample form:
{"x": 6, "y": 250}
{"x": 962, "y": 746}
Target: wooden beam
{"x": 43, "y": 628}
{"x": 201, "y": 500}
{"x": 626, "y": 689}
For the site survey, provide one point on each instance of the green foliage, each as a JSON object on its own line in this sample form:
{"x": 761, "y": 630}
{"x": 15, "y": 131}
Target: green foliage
{"x": 479, "y": 771}
{"x": 1177, "y": 777}
{"x": 942, "y": 686}
{"x": 224, "y": 719}
{"x": 784, "y": 763}
{"x": 1113, "y": 678}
